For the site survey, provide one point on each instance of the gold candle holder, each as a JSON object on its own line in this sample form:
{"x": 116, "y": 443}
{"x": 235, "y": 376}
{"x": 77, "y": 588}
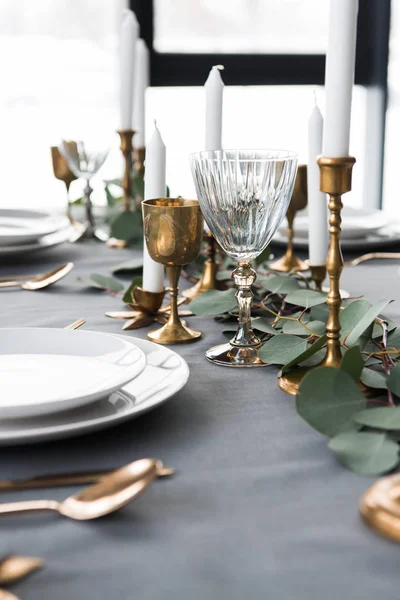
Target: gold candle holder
{"x": 139, "y": 155}
{"x": 63, "y": 172}
{"x": 173, "y": 229}
{"x": 126, "y": 136}
{"x": 208, "y": 280}
{"x": 290, "y": 262}
{"x": 380, "y": 508}
{"x": 318, "y": 274}
{"x": 335, "y": 178}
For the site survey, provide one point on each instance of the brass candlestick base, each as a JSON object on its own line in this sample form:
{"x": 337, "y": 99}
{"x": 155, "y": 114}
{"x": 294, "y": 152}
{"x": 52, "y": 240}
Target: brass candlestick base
{"x": 380, "y": 507}
{"x": 173, "y": 230}
{"x": 290, "y": 262}
{"x": 208, "y": 280}
{"x": 126, "y": 136}
{"x": 335, "y": 181}
{"x": 139, "y": 155}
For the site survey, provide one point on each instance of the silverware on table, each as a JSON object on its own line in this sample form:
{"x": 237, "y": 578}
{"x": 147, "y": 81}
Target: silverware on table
{"x": 41, "y": 281}
{"x": 14, "y": 567}
{"x": 6, "y": 595}
{"x": 76, "y": 324}
{"x": 109, "y": 495}
{"x": 67, "y": 479}
{"x": 372, "y": 256}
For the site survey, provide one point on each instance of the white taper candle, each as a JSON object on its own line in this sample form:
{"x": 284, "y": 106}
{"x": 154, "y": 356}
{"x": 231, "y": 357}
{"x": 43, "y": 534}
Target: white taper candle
{"x": 129, "y": 35}
{"x": 142, "y": 82}
{"x": 214, "y": 88}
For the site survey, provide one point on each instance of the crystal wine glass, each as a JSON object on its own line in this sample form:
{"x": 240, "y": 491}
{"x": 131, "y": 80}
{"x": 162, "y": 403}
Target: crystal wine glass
{"x": 84, "y": 163}
{"x": 244, "y": 195}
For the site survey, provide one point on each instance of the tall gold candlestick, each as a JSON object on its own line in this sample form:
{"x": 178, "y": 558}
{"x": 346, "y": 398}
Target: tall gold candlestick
{"x": 126, "y": 136}
{"x": 139, "y": 155}
{"x": 335, "y": 178}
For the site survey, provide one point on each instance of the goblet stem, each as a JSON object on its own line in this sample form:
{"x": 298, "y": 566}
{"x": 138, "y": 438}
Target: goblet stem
{"x": 69, "y": 214}
{"x": 88, "y": 205}
{"x": 244, "y": 277}
{"x": 173, "y": 273}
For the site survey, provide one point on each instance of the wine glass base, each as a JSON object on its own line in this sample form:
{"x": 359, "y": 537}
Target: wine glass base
{"x": 228, "y": 355}
{"x": 178, "y": 333}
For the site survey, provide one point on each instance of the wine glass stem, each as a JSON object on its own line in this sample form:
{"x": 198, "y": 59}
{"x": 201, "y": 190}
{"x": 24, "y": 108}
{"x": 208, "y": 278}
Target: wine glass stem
{"x": 69, "y": 214}
{"x": 173, "y": 273}
{"x": 244, "y": 277}
{"x": 88, "y": 203}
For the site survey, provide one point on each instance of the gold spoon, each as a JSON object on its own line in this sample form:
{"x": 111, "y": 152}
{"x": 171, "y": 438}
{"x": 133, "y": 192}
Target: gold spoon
{"x": 5, "y": 595}
{"x": 41, "y": 281}
{"x": 13, "y": 568}
{"x": 109, "y": 495}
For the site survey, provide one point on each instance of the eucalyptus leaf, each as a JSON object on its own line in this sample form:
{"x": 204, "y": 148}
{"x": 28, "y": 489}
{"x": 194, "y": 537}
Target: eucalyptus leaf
{"x": 295, "y": 328}
{"x": 328, "y": 398}
{"x": 366, "y": 452}
{"x": 314, "y": 360}
{"x": 383, "y": 417}
{"x": 306, "y": 298}
{"x": 393, "y": 381}
{"x": 102, "y": 282}
{"x": 265, "y": 254}
{"x": 365, "y": 322}
{"x": 320, "y": 312}
{"x": 306, "y": 355}
{"x": 281, "y": 349}
{"x": 373, "y": 379}
{"x": 263, "y": 325}
{"x": 281, "y": 284}
{"x": 224, "y": 275}
{"x": 130, "y": 266}
{"x": 393, "y": 340}
{"x": 352, "y": 315}
{"x": 352, "y": 363}
{"x": 214, "y": 302}
{"x": 127, "y": 298}
{"x": 127, "y": 226}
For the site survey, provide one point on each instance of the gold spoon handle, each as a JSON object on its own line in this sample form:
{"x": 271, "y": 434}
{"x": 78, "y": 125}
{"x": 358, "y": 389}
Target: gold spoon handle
{"x": 13, "y": 508}
{"x": 76, "y": 324}
{"x": 8, "y": 284}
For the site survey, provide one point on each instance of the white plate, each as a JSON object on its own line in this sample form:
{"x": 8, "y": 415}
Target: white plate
{"x": 27, "y": 226}
{"x": 164, "y": 375}
{"x": 47, "y": 241}
{"x": 389, "y": 236}
{"x": 49, "y": 370}
{"x": 356, "y": 223}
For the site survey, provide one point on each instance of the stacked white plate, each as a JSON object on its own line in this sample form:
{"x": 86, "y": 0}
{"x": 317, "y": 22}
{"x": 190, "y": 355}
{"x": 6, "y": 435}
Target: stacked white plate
{"x": 57, "y": 383}
{"x": 31, "y": 230}
{"x": 361, "y": 230}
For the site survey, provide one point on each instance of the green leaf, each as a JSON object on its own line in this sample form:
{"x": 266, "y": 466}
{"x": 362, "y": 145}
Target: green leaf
{"x": 366, "y": 452}
{"x": 314, "y": 360}
{"x": 282, "y": 349}
{"x": 137, "y": 181}
{"x": 306, "y": 298}
{"x": 296, "y": 328}
{"x": 127, "y": 226}
{"x": 393, "y": 381}
{"x": 130, "y": 266}
{"x": 281, "y": 284}
{"x": 328, "y": 398}
{"x": 352, "y": 314}
{"x": 352, "y": 363}
{"x": 306, "y": 355}
{"x": 365, "y": 322}
{"x": 214, "y": 302}
{"x": 127, "y": 298}
{"x": 393, "y": 339}
{"x": 102, "y": 282}
{"x": 373, "y": 379}
{"x": 263, "y": 325}
{"x": 224, "y": 275}
{"x": 383, "y": 417}
{"x": 319, "y": 313}
{"x": 265, "y": 254}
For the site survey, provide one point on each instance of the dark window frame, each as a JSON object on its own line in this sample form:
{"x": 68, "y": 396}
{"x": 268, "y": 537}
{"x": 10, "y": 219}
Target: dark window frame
{"x": 173, "y": 69}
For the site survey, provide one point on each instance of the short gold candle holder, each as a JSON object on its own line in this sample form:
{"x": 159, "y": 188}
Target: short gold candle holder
{"x": 290, "y": 262}
{"x": 208, "y": 280}
{"x": 139, "y": 155}
{"x": 380, "y": 508}
{"x": 173, "y": 230}
{"x": 335, "y": 178}
{"x": 126, "y": 136}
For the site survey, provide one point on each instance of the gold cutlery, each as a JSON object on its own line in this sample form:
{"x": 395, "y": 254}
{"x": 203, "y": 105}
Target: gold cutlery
{"x": 372, "y": 256}
{"x": 41, "y": 281}
{"x": 67, "y": 479}
{"x": 13, "y": 568}
{"x": 109, "y": 495}
{"x": 6, "y": 595}
{"x": 76, "y": 324}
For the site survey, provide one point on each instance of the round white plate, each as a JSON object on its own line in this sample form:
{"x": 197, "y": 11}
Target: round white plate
{"x": 49, "y": 370}
{"x": 27, "y": 226}
{"x": 356, "y": 223}
{"x": 387, "y": 236}
{"x": 164, "y": 375}
{"x": 47, "y": 241}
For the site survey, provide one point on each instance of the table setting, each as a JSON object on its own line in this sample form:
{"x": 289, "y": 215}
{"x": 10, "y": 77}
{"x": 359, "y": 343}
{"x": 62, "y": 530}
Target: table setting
{"x": 203, "y": 388}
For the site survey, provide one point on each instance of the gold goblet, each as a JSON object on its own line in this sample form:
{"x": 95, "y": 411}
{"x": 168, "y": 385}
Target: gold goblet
{"x": 173, "y": 229}
{"x": 290, "y": 262}
{"x": 63, "y": 172}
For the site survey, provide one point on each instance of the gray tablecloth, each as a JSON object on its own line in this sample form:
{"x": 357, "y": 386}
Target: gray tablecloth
{"x": 259, "y": 507}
